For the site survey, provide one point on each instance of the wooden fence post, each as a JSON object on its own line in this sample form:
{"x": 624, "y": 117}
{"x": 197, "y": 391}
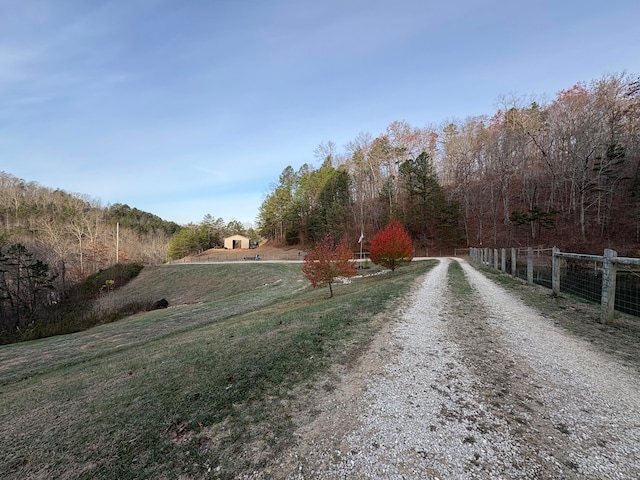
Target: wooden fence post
{"x": 609, "y": 272}
{"x": 495, "y": 258}
{"x": 514, "y": 259}
{"x": 530, "y": 265}
{"x": 555, "y": 271}
{"x": 503, "y": 259}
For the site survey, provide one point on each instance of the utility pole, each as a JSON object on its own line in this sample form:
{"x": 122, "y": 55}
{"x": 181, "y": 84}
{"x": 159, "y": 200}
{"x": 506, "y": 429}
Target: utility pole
{"x": 117, "y": 242}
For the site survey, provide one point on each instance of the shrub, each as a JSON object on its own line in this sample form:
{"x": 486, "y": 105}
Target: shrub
{"x": 324, "y": 263}
{"x": 391, "y": 247}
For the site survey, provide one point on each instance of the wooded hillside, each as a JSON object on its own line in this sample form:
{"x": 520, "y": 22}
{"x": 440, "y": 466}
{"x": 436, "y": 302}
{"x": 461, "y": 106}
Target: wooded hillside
{"x": 51, "y": 239}
{"x": 75, "y": 233}
{"x": 563, "y": 171}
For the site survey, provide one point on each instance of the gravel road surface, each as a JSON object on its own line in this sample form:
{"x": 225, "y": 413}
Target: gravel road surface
{"x": 474, "y": 386}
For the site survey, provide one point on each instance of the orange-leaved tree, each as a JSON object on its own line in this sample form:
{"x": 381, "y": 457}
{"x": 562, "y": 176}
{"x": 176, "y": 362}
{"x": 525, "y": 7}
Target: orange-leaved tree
{"x": 325, "y": 263}
{"x": 392, "y": 246}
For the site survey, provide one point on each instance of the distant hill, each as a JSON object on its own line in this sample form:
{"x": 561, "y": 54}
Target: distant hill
{"x": 51, "y": 239}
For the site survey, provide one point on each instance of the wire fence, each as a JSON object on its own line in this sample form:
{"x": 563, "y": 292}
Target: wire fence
{"x": 597, "y": 278}
{"x": 628, "y": 290}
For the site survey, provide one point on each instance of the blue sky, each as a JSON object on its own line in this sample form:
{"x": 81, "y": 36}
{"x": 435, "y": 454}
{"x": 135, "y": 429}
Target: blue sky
{"x": 188, "y": 107}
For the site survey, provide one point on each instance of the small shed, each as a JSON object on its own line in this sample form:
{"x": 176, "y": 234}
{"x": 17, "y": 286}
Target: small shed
{"x": 236, "y": 241}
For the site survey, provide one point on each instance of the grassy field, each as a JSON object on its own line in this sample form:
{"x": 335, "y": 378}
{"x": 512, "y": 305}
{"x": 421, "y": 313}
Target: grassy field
{"x": 209, "y": 388}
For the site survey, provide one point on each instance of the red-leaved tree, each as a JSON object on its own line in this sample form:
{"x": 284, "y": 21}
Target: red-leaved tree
{"x": 392, "y": 246}
{"x": 324, "y": 263}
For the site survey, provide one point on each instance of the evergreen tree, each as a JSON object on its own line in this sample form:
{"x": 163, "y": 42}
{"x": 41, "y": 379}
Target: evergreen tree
{"x": 24, "y": 283}
{"x": 429, "y": 216}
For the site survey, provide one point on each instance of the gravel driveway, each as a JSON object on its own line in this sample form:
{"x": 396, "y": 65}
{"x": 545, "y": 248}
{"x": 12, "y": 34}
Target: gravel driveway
{"x": 473, "y": 386}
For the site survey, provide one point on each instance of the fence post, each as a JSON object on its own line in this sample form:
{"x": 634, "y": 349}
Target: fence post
{"x": 503, "y": 260}
{"x": 514, "y": 259}
{"x": 555, "y": 271}
{"x": 609, "y": 271}
{"x": 530, "y": 265}
{"x": 495, "y": 258}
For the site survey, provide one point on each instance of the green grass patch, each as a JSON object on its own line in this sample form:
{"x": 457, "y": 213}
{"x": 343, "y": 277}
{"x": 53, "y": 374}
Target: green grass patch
{"x": 457, "y": 280}
{"x": 461, "y": 291}
{"x": 209, "y": 387}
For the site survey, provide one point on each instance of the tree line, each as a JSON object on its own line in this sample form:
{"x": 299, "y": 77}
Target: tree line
{"x": 75, "y": 233}
{"x": 563, "y": 171}
{"x": 341, "y": 199}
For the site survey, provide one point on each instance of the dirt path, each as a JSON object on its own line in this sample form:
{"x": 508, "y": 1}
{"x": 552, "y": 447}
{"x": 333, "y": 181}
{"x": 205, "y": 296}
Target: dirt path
{"x": 469, "y": 383}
